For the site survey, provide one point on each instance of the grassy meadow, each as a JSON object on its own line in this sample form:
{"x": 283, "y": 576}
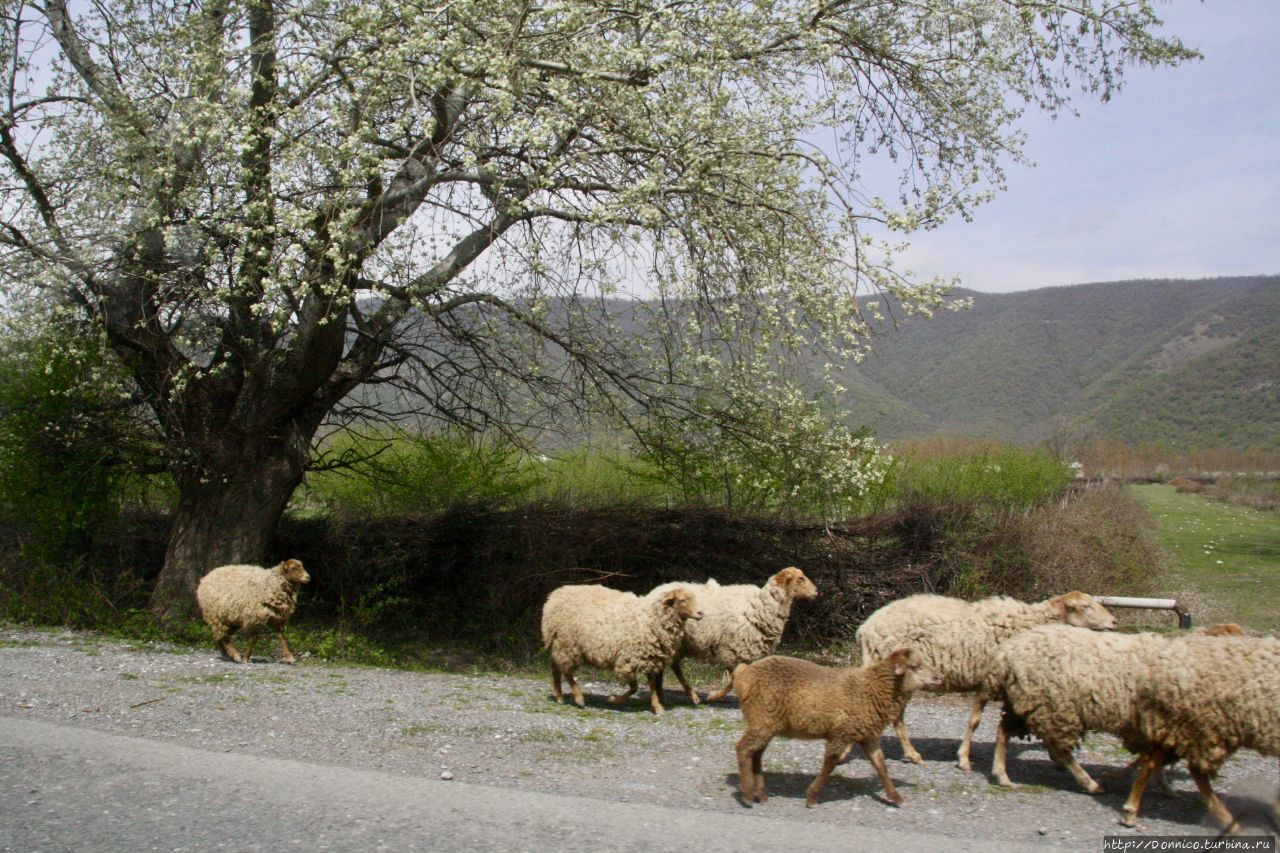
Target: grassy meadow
{"x": 1226, "y": 556}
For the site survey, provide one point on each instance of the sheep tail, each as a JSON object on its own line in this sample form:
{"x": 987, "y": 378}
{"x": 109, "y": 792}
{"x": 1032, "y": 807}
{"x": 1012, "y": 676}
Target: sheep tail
{"x": 736, "y": 680}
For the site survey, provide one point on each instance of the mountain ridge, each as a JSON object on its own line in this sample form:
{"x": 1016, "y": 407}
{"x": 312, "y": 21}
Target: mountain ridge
{"x": 1186, "y": 362}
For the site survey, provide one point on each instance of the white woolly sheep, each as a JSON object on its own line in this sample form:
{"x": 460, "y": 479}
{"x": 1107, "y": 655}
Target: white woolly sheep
{"x": 959, "y": 640}
{"x": 742, "y": 623}
{"x": 843, "y": 706}
{"x": 1059, "y": 682}
{"x": 1203, "y": 698}
{"x": 249, "y": 600}
{"x": 1222, "y": 629}
{"x": 635, "y": 637}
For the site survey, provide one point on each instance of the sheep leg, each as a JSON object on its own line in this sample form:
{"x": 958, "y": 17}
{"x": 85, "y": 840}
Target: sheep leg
{"x": 1162, "y": 779}
{"x": 632, "y": 686}
{"x": 1150, "y": 762}
{"x": 876, "y": 757}
{"x": 1162, "y": 782}
{"x": 751, "y": 747}
{"x": 684, "y": 682}
{"x": 655, "y": 693}
{"x": 757, "y": 767}
{"x": 556, "y": 690}
{"x": 723, "y": 690}
{"x": 284, "y": 648}
{"x": 228, "y": 651}
{"x": 999, "y": 764}
{"x": 1123, "y": 772}
{"x": 829, "y": 760}
{"x": 248, "y": 652}
{"x": 975, "y": 719}
{"x": 908, "y": 751}
{"x": 1064, "y": 758}
{"x": 1217, "y": 809}
{"x": 575, "y": 689}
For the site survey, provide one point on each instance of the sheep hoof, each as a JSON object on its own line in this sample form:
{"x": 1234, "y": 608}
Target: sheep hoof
{"x": 810, "y": 803}
{"x": 963, "y": 764}
{"x": 290, "y": 661}
{"x": 1129, "y": 819}
{"x": 915, "y": 758}
{"x": 693, "y": 698}
{"x": 1095, "y": 788}
{"x": 616, "y": 700}
{"x": 1004, "y": 782}
{"x": 895, "y": 800}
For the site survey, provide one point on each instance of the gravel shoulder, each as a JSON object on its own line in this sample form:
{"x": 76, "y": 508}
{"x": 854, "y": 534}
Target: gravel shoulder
{"x": 506, "y": 732}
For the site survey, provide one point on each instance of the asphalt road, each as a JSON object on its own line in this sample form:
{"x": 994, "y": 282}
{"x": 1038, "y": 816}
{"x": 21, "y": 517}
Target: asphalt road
{"x": 68, "y": 788}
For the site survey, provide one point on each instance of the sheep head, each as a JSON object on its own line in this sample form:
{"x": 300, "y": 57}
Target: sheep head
{"x": 1083, "y": 611}
{"x": 683, "y": 602}
{"x": 795, "y": 584}
{"x": 1222, "y": 629}
{"x": 292, "y": 571}
{"x": 908, "y": 664}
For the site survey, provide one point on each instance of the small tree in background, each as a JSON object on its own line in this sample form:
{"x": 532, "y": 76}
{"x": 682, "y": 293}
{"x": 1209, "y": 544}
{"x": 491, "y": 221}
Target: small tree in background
{"x": 66, "y": 438}
{"x": 781, "y": 454}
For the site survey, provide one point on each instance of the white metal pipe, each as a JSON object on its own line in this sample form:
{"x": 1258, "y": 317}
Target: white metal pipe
{"x": 1123, "y": 601}
{"x": 1184, "y": 615}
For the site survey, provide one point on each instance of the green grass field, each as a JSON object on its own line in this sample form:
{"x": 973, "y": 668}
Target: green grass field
{"x": 1229, "y": 555}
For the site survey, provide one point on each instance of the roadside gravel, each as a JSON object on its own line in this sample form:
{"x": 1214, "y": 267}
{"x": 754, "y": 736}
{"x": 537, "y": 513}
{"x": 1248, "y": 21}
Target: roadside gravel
{"x": 505, "y": 732}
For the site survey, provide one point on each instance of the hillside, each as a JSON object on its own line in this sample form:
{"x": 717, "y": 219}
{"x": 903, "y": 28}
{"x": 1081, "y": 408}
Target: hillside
{"x": 1187, "y": 363}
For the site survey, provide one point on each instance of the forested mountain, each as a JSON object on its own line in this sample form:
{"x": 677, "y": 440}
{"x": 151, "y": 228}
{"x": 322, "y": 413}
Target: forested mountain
{"x": 1182, "y": 362}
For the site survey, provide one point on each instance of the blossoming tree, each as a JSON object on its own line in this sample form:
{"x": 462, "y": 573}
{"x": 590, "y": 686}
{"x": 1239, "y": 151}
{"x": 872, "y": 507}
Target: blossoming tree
{"x": 266, "y": 205}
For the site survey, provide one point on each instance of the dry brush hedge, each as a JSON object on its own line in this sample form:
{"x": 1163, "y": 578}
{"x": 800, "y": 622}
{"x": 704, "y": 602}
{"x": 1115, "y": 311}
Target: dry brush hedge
{"x": 479, "y": 575}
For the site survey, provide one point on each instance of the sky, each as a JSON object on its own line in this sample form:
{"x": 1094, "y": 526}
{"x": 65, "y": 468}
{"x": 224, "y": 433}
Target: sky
{"x": 1178, "y": 176}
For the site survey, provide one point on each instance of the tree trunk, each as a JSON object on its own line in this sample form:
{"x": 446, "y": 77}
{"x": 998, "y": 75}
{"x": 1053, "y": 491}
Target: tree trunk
{"x": 224, "y": 518}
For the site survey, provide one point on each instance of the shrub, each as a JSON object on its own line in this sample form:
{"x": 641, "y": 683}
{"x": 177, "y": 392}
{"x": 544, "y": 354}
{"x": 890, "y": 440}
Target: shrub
{"x": 991, "y": 475}
{"x": 63, "y": 432}
{"x": 400, "y": 472}
{"x": 777, "y": 452}
{"x": 1099, "y": 540}
{"x": 1254, "y": 492}
{"x": 1186, "y": 485}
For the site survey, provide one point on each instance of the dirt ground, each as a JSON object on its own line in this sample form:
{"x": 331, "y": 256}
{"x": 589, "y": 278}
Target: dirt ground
{"x": 505, "y": 731}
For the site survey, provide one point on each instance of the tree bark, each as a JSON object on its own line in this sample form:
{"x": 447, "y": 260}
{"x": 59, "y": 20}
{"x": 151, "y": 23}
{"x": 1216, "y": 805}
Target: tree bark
{"x": 227, "y": 515}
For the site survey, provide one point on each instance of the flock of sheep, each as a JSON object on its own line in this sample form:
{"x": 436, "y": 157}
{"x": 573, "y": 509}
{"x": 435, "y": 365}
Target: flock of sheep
{"x": 1058, "y": 667}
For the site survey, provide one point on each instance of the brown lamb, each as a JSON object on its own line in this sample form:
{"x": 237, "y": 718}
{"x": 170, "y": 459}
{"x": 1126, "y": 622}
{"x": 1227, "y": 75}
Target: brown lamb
{"x": 843, "y": 706}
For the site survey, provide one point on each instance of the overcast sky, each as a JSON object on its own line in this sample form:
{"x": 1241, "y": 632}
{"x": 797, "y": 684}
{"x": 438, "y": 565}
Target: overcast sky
{"x": 1178, "y": 176}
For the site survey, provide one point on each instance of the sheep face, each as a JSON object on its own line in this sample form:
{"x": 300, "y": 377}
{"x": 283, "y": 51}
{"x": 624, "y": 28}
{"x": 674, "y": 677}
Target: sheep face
{"x": 1081, "y": 610}
{"x": 795, "y": 584}
{"x": 683, "y": 602}
{"x": 908, "y": 664}
{"x": 292, "y": 571}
